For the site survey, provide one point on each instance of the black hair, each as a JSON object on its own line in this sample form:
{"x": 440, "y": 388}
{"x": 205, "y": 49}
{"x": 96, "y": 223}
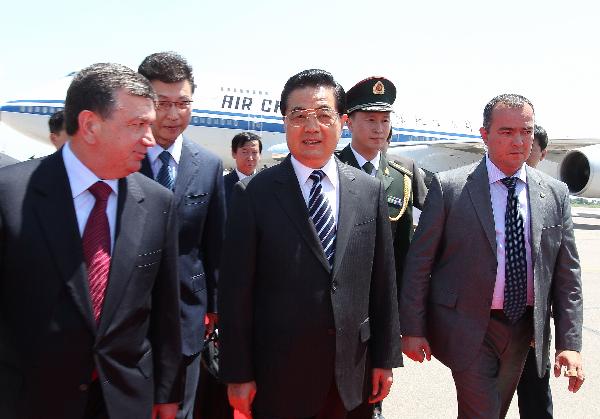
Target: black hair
{"x": 56, "y": 123}
{"x": 541, "y": 136}
{"x": 509, "y": 100}
{"x": 313, "y": 78}
{"x": 240, "y": 140}
{"x": 168, "y": 67}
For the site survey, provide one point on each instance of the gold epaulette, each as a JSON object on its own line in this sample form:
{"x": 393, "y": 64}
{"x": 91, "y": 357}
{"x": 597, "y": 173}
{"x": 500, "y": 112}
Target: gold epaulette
{"x": 400, "y": 168}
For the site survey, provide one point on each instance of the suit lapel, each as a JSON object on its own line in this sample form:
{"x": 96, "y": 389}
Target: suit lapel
{"x": 131, "y": 218}
{"x": 537, "y": 210}
{"x": 479, "y": 192}
{"x": 186, "y": 172}
{"x": 347, "y": 212}
{"x": 56, "y": 214}
{"x": 289, "y": 195}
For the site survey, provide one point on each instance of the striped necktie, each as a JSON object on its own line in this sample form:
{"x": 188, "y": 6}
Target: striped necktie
{"x": 515, "y": 274}
{"x": 96, "y": 246}
{"x": 165, "y": 176}
{"x": 321, "y": 215}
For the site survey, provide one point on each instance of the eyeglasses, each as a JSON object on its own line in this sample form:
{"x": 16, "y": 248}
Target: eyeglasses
{"x": 300, "y": 117}
{"x": 165, "y": 105}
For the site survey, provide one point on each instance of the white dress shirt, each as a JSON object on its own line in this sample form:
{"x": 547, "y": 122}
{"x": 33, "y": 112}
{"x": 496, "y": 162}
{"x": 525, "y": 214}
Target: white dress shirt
{"x": 499, "y": 194}
{"x": 242, "y": 175}
{"x": 80, "y": 179}
{"x": 175, "y": 152}
{"x": 361, "y": 160}
{"x": 329, "y": 184}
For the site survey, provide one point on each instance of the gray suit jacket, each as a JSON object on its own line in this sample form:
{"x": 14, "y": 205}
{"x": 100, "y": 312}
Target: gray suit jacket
{"x": 7, "y": 160}
{"x": 451, "y": 266}
{"x": 287, "y": 320}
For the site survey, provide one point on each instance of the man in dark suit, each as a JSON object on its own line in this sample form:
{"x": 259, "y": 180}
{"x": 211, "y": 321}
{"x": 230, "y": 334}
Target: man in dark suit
{"x": 245, "y": 150}
{"x": 369, "y": 104}
{"x": 195, "y": 175}
{"x": 309, "y": 320}
{"x": 89, "y": 298}
{"x": 493, "y": 251}
{"x": 7, "y": 160}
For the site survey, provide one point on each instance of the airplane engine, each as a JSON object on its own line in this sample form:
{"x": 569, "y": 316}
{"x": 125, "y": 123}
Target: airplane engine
{"x": 580, "y": 170}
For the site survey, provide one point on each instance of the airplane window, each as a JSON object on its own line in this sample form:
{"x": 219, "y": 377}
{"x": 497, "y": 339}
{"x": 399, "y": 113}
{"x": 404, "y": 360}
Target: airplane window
{"x": 260, "y": 92}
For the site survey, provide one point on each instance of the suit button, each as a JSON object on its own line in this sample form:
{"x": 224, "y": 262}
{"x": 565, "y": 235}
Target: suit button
{"x": 331, "y": 332}
{"x": 333, "y": 286}
{"x": 83, "y": 387}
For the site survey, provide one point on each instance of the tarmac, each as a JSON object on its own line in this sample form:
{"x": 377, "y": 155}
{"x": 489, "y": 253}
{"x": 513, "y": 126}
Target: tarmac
{"x": 427, "y": 390}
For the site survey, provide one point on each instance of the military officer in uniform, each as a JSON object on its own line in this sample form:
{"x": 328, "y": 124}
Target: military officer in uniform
{"x": 369, "y": 106}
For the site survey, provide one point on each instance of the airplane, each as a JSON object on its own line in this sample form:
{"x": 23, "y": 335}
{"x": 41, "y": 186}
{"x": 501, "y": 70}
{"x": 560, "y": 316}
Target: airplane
{"x": 221, "y": 110}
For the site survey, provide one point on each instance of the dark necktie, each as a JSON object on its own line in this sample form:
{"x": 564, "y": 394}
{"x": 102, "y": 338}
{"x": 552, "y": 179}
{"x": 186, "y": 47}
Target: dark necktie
{"x": 96, "y": 246}
{"x": 321, "y": 215}
{"x": 368, "y": 167}
{"x": 165, "y": 177}
{"x": 515, "y": 274}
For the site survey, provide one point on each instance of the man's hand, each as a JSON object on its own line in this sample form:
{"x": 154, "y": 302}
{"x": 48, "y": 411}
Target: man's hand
{"x": 164, "y": 411}
{"x": 416, "y": 348}
{"x": 571, "y": 360}
{"x": 382, "y": 383}
{"x": 241, "y": 396}
{"x": 212, "y": 321}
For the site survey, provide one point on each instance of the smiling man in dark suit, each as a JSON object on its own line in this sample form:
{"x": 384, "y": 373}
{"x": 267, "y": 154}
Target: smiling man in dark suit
{"x": 195, "y": 176}
{"x": 309, "y": 322}
{"x": 89, "y": 297}
{"x": 494, "y": 250}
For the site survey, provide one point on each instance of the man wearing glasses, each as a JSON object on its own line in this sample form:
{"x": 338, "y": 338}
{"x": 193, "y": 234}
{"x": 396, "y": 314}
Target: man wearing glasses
{"x": 196, "y": 178}
{"x": 308, "y": 311}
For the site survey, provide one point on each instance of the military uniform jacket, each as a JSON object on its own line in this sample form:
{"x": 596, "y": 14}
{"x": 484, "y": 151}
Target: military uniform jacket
{"x": 404, "y": 188}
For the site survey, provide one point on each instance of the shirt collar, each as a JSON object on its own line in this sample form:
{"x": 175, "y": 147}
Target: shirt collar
{"x": 80, "y": 177}
{"x": 174, "y": 150}
{"x": 361, "y": 160}
{"x": 495, "y": 174}
{"x": 242, "y": 175}
{"x": 303, "y": 172}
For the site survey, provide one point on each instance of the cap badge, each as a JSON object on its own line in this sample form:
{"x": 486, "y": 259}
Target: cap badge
{"x": 378, "y": 88}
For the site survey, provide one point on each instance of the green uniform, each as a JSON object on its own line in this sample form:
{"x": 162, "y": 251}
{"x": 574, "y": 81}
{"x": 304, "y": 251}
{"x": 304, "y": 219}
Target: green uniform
{"x": 405, "y": 187}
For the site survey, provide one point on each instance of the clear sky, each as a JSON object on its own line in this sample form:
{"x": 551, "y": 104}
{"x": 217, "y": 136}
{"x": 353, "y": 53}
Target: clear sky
{"x": 447, "y": 58}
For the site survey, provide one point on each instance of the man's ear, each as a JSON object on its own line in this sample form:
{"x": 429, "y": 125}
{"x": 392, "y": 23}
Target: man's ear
{"x": 348, "y": 121}
{"x": 544, "y": 153}
{"x": 89, "y": 126}
{"x": 484, "y": 135}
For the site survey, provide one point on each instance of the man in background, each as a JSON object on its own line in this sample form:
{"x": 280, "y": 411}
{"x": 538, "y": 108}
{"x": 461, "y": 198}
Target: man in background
{"x": 369, "y": 104}
{"x": 58, "y": 133}
{"x": 195, "y": 176}
{"x": 533, "y": 391}
{"x": 246, "y": 148}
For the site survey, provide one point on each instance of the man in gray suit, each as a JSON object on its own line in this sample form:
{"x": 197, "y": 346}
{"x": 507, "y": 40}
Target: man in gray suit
{"x": 494, "y": 249}
{"x": 308, "y": 311}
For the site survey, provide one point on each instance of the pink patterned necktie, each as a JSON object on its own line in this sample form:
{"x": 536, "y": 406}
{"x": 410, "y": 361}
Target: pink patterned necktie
{"x": 96, "y": 246}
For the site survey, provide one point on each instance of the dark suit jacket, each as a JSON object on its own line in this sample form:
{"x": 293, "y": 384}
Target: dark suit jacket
{"x": 7, "y": 160}
{"x": 200, "y": 204}
{"x": 287, "y": 321}
{"x": 49, "y": 341}
{"x": 393, "y": 178}
{"x": 451, "y": 266}
{"x": 229, "y": 180}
